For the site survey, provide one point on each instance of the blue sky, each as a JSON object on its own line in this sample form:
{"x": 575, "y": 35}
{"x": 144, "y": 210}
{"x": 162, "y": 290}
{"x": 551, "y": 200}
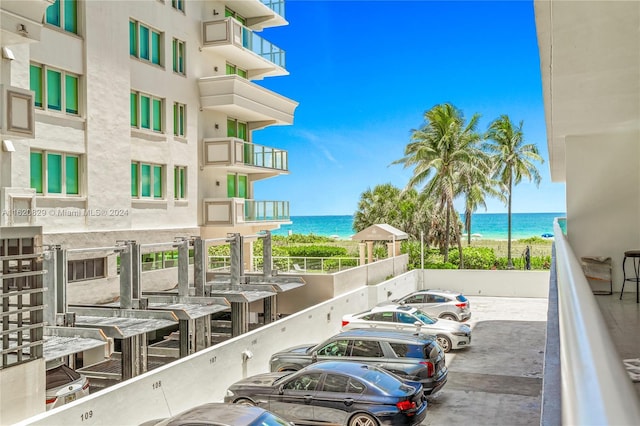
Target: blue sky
{"x": 364, "y": 73}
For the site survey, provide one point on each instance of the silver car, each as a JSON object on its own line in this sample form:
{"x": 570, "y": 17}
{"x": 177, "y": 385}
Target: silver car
{"x": 449, "y": 334}
{"x": 439, "y": 303}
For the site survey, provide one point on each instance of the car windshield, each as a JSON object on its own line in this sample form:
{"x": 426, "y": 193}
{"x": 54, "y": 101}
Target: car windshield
{"x": 422, "y": 316}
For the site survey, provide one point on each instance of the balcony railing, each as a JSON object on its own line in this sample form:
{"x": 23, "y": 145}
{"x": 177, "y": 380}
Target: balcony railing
{"x": 230, "y": 31}
{"x": 227, "y": 152}
{"x": 595, "y": 386}
{"x": 235, "y": 211}
{"x": 276, "y": 5}
{"x": 291, "y": 264}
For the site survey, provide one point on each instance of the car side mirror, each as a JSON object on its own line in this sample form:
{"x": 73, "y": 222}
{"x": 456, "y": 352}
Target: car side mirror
{"x": 280, "y": 389}
{"x": 314, "y": 356}
{"x": 418, "y": 325}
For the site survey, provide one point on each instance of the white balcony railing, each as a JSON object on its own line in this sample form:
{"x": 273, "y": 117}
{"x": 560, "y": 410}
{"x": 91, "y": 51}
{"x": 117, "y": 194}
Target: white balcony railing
{"x": 237, "y": 211}
{"x": 596, "y": 389}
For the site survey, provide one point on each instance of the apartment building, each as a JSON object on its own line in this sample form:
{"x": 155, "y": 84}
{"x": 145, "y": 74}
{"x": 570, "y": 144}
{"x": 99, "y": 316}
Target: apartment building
{"x": 137, "y": 121}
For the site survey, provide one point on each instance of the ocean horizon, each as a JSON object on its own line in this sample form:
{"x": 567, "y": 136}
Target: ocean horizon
{"x": 491, "y": 226}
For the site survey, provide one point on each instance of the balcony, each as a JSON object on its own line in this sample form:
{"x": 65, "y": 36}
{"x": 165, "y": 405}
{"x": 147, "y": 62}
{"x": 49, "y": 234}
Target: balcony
{"x": 244, "y": 48}
{"x": 22, "y": 21}
{"x": 246, "y": 101}
{"x": 239, "y": 156}
{"x": 261, "y": 14}
{"x": 239, "y": 211}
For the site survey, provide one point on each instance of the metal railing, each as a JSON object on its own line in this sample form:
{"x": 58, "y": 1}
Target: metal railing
{"x": 262, "y": 47}
{"x": 596, "y": 389}
{"x": 255, "y": 211}
{"x": 291, "y": 264}
{"x": 264, "y": 156}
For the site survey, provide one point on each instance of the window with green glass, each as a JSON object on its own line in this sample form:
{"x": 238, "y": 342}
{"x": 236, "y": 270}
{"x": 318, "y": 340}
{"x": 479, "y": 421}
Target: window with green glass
{"x": 35, "y": 83}
{"x": 157, "y": 115}
{"x": 179, "y": 116}
{"x": 237, "y": 129}
{"x": 145, "y": 173}
{"x": 145, "y": 112}
{"x": 37, "y": 169}
{"x": 71, "y": 174}
{"x": 178, "y": 5}
{"x": 179, "y": 182}
{"x": 54, "y": 173}
{"x": 71, "y": 94}
{"x": 133, "y": 38}
{"x": 134, "y": 109}
{"x": 242, "y": 130}
{"x": 231, "y": 128}
{"x": 135, "y": 179}
{"x": 157, "y": 181}
{"x": 63, "y": 14}
{"x": 242, "y": 186}
{"x": 145, "y": 43}
{"x": 54, "y": 90}
{"x": 178, "y": 56}
{"x": 234, "y": 70}
{"x": 233, "y": 14}
{"x": 231, "y": 186}
{"x": 242, "y": 73}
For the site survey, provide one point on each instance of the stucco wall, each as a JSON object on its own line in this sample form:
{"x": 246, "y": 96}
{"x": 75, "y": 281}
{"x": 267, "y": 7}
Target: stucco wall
{"x": 13, "y": 405}
{"x": 603, "y": 197}
{"x": 513, "y": 283}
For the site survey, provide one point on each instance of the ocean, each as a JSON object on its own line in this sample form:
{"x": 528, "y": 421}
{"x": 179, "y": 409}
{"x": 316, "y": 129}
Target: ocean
{"x": 492, "y": 226}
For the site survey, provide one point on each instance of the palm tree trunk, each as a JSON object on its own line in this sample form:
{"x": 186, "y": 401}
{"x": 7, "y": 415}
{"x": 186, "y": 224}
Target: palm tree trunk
{"x": 509, "y": 262}
{"x": 457, "y": 231}
{"x": 467, "y": 224}
{"x": 446, "y": 235}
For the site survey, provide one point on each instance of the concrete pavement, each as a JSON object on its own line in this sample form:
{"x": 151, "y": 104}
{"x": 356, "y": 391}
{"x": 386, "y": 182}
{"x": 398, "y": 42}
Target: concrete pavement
{"x": 498, "y": 379}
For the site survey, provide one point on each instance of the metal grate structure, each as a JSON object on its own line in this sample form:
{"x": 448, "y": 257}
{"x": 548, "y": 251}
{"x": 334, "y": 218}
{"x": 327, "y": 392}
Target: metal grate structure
{"x": 21, "y": 296}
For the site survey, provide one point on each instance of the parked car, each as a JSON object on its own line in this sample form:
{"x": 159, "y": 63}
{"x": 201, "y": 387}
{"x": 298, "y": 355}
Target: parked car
{"x": 412, "y": 357}
{"x": 337, "y": 393}
{"x": 450, "y": 334}
{"x": 219, "y": 414}
{"x": 444, "y": 304}
{"x": 63, "y": 384}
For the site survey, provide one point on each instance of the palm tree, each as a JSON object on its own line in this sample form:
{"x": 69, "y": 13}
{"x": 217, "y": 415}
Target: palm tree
{"x": 513, "y": 161}
{"x": 444, "y": 145}
{"x": 476, "y": 183}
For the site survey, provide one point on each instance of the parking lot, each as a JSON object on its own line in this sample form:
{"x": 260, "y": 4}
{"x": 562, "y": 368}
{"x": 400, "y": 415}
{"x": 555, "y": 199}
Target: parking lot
{"x": 498, "y": 379}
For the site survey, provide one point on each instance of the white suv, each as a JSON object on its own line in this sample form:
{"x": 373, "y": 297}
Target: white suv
{"x": 440, "y": 303}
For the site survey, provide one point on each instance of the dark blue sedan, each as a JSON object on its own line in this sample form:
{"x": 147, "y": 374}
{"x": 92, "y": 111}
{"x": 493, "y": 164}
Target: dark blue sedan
{"x": 335, "y": 392}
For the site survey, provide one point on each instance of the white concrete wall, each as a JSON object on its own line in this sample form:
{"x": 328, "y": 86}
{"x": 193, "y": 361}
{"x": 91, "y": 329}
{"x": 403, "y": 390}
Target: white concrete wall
{"x": 489, "y": 283}
{"x": 13, "y": 405}
{"x": 603, "y": 197}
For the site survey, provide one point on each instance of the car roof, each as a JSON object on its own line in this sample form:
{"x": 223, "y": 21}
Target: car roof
{"x": 345, "y": 367}
{"x": 380, "y": 334}
{"x": 439, "y": 291}
{"x": 219, "y": 413}
{"x": 393, "y": 307}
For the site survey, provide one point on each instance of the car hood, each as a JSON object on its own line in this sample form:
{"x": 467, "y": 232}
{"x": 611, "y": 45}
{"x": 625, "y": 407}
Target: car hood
{"x": 260, "y": 380}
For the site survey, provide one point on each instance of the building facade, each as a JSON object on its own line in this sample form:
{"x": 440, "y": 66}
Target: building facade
{"x": 136, "y": 121}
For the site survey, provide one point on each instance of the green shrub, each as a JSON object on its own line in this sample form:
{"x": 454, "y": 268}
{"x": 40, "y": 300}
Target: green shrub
{"x": 335, "y": 263}
{"x": 316, "y": 251}
{"x": 440, "y": 265}
{"x": 474, "y": 257}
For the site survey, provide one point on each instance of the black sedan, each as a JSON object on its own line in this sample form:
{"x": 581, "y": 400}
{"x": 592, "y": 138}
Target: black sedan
{"x": 335, "y": 392}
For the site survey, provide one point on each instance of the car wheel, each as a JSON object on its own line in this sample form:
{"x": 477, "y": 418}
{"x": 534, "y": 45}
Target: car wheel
{"x": 449, "y": 317}
{"x": 245, "y": 401}
{"x": 444, "y": 342}
{"x": 362, "y": 419}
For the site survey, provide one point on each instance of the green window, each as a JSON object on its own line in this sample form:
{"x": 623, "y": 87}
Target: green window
{"x": 179, "y": 182}
{"x": 231, "y": 128}
{"x": 178, "y": 56}
{"x": 232, "y": 69}
{"x": 134, "y": 109}
{"x": 178, "y": 4}
{"x": 155, "y": 47}
{"x": 133, "y": 38}
{"x": 237, "y": 129}
{"x": 157, "y": 115}
{"x": 144, "y": 42}
{"x": 135, "y": 179}
{"x": 71, "y": 174}
{"x": 242, "y": 186}
{"x": 63, "y": 14}
{"x": 71, "y": 16}
{"x": 145, "y": 112}
{"x": 146, "y": 180}
{"x": 71, "y": 94}
{"x": 242, "y": 73}
{"x": 36, "y": 171}
{"x": 35, "y": 77}
{"x": 54, "y": 90}
{"x": 54, "y": 173}
{"x": 242, "y": 131}
{"x": 179, "y": 114}
{"x": 53, "y": 14}
{"x": 157, "y": 181}
{"x": 231, "y": 186}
